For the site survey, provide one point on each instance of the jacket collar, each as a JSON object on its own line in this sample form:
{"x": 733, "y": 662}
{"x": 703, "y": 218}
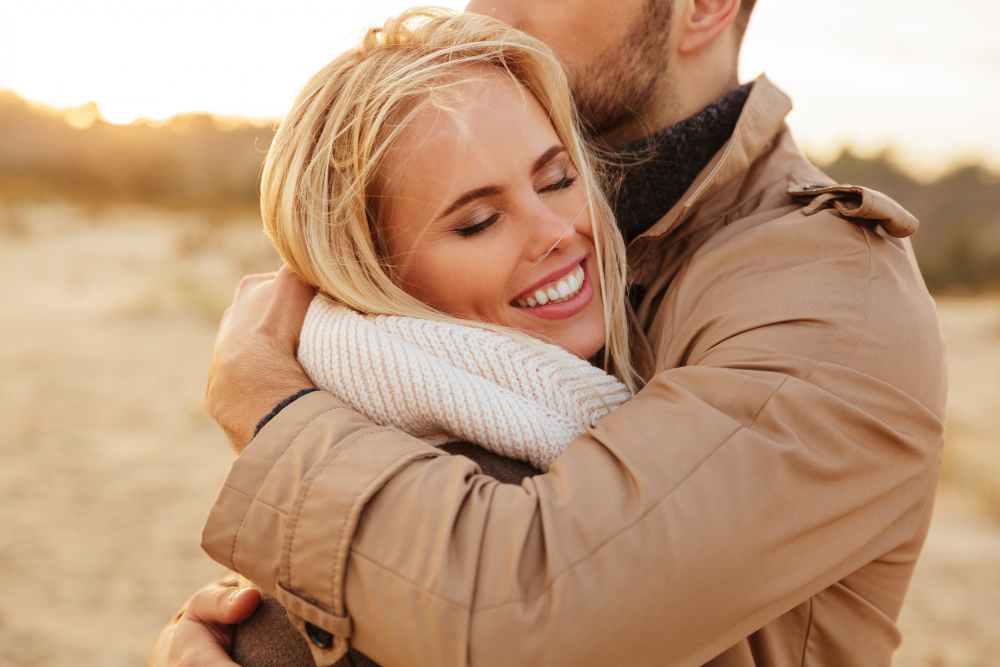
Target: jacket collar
{"x": 763, "y": 117}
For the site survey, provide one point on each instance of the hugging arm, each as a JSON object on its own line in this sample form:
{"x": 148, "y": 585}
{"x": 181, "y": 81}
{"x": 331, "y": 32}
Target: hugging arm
{"x": 773, "y": 456}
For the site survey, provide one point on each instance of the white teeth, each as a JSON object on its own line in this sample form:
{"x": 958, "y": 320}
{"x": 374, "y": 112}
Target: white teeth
{"x": 564, "y": 290}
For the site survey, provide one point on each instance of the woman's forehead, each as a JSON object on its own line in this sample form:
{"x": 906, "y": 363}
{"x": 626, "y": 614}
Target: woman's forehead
{"x": 480, "y": 127}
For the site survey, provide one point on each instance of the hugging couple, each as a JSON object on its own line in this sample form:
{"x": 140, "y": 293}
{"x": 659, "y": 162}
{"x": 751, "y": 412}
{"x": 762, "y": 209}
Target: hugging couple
{"x": 630, "y": 383}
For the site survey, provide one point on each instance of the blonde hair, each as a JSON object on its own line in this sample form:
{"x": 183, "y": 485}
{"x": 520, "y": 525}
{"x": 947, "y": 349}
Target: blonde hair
{"x": 320, "y": 191}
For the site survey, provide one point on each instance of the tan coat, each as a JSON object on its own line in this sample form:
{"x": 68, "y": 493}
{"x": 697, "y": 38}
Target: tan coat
{"x": 762, "y": 501}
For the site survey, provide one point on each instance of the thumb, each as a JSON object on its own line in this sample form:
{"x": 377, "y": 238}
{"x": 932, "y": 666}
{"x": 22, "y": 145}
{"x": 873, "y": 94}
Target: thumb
{"x": 223, "y": 606}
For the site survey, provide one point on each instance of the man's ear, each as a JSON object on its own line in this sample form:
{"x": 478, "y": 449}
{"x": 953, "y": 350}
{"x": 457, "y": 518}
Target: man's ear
{"x": 703, "y": 20}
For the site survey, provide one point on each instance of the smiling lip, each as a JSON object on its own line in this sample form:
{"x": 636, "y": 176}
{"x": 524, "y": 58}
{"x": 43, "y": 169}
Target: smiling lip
{"x": 558, "y": 273}
{"x": 568, "y": 308}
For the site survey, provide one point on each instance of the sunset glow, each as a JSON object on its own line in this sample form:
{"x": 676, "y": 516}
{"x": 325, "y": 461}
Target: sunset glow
{"x": 919, "y": 76}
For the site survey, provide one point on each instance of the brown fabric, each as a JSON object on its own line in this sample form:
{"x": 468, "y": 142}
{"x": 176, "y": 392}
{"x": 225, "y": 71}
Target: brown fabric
{"x": 268, "y": 639}
{"x": 500, "y": 468}
{"x": 762, "y": 500}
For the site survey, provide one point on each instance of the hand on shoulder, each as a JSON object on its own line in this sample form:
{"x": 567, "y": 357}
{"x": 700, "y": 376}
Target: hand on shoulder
{"x": 253, "y": 364}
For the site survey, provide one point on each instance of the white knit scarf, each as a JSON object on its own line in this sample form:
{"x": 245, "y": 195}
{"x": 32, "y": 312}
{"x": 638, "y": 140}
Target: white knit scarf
{"x": 445, "y": 382}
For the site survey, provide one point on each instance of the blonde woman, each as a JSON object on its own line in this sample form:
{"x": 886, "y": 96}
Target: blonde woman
{"x": 435, "y": 172}
{"x": 432, "y": 186}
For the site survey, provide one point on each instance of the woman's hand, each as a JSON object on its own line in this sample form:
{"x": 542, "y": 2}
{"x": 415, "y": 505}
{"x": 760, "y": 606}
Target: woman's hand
{"x": 253, "y": 365}
{"x": 203, "y": 635}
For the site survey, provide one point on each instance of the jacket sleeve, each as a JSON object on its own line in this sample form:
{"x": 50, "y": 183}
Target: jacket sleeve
{"x": 780, "y": 448}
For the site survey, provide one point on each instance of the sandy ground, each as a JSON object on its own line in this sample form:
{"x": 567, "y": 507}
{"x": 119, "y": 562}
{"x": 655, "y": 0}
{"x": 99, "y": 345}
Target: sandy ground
{"x": 109, "y": 463}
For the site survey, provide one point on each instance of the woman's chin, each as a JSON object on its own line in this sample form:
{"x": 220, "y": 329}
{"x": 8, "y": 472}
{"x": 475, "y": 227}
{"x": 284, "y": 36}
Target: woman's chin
{"x": 582, "y": 335}
{"x": 585, "y": 349}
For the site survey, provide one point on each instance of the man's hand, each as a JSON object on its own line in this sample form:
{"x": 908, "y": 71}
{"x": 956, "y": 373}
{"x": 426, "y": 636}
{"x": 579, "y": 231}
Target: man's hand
{"x": 254, "y": 366}
{"x": 203, "y": 635}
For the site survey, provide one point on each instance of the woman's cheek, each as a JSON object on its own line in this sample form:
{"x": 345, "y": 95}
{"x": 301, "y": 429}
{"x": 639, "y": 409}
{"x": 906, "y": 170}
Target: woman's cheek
{"x": 464, "y": 283}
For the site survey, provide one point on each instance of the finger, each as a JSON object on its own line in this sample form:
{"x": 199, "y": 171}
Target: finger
{"x": 255, "y": 278}
{"x": 158, "y": 656}
{"x": 244, "y": 603}
{"x": 217, "y": 605}
{"x": 190, "y": 644}
{"x": 248, "y": 282}
{"x": 290, "y": 282}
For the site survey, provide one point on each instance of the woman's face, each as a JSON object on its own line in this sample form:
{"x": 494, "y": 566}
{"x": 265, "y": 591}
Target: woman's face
{"x": 488, "y": 220}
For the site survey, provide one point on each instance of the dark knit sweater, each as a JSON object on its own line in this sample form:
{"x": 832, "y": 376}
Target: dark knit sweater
{"x": 654, "y": 172}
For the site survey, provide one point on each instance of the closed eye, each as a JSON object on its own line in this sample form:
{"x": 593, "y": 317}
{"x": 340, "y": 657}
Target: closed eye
{"x": 561, "y": 184}
{"x": 479, "y": 227}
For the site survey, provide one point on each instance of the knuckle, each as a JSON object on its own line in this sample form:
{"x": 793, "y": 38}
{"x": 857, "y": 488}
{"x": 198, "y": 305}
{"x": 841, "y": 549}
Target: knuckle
{"x": 205, "y": 600}
{"x": 190, "y": 659}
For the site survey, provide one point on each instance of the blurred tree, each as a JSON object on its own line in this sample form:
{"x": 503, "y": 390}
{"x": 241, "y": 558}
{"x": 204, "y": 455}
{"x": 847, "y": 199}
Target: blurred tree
{"x": 958, "y": 245}
{"x": 190, "y": 160}
{"x": 196, "y": 160}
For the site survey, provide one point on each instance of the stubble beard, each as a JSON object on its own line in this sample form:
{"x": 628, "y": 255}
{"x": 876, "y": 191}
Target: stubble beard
{"x": 612, "y": 90}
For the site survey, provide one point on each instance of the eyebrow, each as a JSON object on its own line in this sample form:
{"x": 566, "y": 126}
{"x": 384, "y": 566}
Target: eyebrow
{"x": 545, "y": 158}
{"x": 491, "y": 190}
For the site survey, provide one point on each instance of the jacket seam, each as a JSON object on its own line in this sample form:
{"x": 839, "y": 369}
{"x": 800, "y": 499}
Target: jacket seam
{"x": 344, "y": 545}
{"x": 651, "y": 509}
{"x": 817, "y": 362}
{"x": 665, "y": 342}
{"x": 270, "y": 467}
{"x": 787, "y": 177}
{"x": 740, "y": 129}
{"x": 314, "y": 473}
{"x": 475, "y": 583}
{"x": 418, "y": 586}
{"x": 868, "y": 304}
{"x": 813, "y": 370}
{"x": 805, "y": 644}
{"x": 256, "y": 500}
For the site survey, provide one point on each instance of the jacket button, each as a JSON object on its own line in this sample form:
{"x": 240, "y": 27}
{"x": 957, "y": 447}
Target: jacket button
{"x": 318, "y": 636}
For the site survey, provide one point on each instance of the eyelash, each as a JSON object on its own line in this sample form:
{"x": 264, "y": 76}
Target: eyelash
{"x": 561, "y": 184}
{"x": 480, "y": 227}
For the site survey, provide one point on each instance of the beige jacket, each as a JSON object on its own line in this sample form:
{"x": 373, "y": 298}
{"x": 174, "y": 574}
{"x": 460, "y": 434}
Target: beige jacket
{"x": 762, "y": 501}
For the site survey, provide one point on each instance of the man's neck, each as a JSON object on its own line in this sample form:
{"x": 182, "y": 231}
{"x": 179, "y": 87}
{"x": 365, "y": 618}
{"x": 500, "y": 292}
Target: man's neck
{"x": 673, "y": 101}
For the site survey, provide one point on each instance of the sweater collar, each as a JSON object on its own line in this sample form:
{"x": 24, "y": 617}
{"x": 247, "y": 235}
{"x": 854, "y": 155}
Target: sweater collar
{"x": 654, "y": 172}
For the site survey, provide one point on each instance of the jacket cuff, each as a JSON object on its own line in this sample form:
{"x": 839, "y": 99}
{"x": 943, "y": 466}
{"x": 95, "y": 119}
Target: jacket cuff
{"x": 286, "y": 516}
{"x": 281, "y": 406}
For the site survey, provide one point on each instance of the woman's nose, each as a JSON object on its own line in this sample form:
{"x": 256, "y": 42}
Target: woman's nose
{"x": 550, "y": 232}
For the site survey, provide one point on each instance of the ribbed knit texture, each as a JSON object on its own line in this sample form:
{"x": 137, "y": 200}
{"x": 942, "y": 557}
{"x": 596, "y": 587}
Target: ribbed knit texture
{"x": 447, "y": 383}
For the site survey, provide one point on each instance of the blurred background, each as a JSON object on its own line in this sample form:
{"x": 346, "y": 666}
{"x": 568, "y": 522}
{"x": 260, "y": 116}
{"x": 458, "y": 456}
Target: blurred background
{"x": 131, "y": 140}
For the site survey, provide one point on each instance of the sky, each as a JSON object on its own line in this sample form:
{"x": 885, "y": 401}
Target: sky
{"x": 919, "y": 77}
